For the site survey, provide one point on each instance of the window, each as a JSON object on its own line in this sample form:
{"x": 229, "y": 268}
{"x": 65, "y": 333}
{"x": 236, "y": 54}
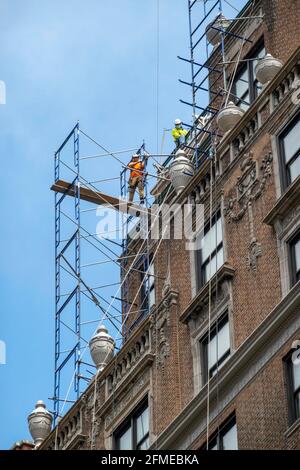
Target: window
{"x": 148, "y": 286}
{"x": 215, "y": 348}
{"x": 133, "y": 434}
{"x": 295, "y": 259}
{"x": 293, "y": 375}
{"x": 290, "y": 150}
{"x": 210, "y": 256}
{"x": 225, "y": 438}
{"x": 246, "y": 87}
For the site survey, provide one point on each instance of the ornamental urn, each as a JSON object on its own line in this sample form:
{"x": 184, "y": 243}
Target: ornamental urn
{"x": 267, "y": 68}
{"x": 40, "y": 422}
{"x": 229, "y": 116}
{"x": 181, "y": 171}
{"x": 213, "y": 36}
{"x": 102, "y": 347}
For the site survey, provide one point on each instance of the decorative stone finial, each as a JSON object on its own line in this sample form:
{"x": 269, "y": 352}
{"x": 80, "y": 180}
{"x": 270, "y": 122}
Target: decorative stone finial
{"x": 40, "y": 422}
{"x": 102, "y": 347}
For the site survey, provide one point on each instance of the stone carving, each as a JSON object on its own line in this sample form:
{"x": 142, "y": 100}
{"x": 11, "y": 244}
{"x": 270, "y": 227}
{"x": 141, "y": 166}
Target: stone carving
{"x": 254, "y": 253}
{"x": 160, "y": 323}
{"x": 200, "y": 314}
{"x": 288, "y": 221}
{"x": 249, "y": 187}
{"x": 90, "y": 405}
{"x": 122, "y": 403}
{"x": 94, "y": 432}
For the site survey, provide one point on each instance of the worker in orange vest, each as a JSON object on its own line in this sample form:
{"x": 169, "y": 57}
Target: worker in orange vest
{"x": 136, "y": 179}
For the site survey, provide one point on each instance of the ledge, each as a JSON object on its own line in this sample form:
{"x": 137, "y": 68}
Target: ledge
{"x": 287, "y": 201}
{"x": 145, "y": 362}
{"x": 225, "y": 272}
{"x": 292, "y": 428}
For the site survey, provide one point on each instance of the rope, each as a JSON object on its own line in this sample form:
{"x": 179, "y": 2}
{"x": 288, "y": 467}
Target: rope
{"x": 140, "y": 287}
{"x": 239, "y": 57}
{"x": 216, "y": 280}
{"x": 209, "y": 316}
{"x": 110, "y": 305}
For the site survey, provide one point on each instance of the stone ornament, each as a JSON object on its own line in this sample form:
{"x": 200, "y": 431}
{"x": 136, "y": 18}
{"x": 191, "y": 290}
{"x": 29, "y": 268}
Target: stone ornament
{"x": 254, "y": 253}
{"x": 102, "y": 347}
{"x": 267, "y": 68}
{"x": 40, "y": 423}
{"x": 160, "y": 324}
{"x": 229, "y": 116}
{"x": 181, "y": 171}
{"x": 213, "y": 36}
{"x": 249, "y": 187}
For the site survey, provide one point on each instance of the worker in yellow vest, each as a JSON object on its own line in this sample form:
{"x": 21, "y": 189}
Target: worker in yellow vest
{"x": 178, "y": 133}
{"x": 136, "y": 179}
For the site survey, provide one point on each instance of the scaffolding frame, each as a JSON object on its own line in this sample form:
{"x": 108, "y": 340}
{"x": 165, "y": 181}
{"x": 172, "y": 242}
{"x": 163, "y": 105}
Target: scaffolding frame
{"x": 68, "y": 262}
{"x": 200, "y": 72}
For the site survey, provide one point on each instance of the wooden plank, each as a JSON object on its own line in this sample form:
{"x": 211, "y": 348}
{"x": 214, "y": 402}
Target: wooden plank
{"x": 99, "y": 198}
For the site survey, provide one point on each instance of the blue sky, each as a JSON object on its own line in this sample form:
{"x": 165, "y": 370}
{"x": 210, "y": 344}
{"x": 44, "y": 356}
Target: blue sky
{"x": 63, "y": 61}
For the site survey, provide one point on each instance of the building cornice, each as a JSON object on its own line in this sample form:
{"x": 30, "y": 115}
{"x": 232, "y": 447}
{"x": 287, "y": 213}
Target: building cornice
{"x": 285, "y": 203}
{"x": 225, "y": 272}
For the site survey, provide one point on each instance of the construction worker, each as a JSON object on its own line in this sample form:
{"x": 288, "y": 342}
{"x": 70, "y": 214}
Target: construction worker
{"x": 178, "y": 133}
{"x": 136, "y": 178}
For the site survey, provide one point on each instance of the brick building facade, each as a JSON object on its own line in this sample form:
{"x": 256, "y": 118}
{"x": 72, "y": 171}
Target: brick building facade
{"x": 154, "y": 392}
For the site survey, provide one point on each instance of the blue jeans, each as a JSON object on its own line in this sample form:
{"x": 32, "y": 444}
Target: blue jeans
{"x": 180, "y": 141}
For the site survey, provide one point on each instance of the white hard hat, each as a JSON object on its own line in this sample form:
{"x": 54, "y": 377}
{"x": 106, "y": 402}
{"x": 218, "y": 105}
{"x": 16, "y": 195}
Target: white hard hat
{"x": 177, "y": 121}
{"x": 135, "y": 155}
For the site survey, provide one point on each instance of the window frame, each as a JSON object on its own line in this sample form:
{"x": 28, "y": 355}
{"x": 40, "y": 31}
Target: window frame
{"x": 293, "y": 411}
{"x": 130, "y": 423}
{"x": 294, "y": 274}
{"x": 285, "y": 176}
{"x": 252, "y": 80}
{"x": 217, "y": 437}
{"x": 203, "y": 342}
{"x": 200, "y": 265}
{"x": 146, "y": 281}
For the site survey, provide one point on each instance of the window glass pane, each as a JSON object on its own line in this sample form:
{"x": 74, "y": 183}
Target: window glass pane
{"x": 223, "y": 340}
{"x": 230, "y": 439}
{"x": 242, "y": 83}
{"x": 243, "y": 105}
{"x": 291, "y": 142}
{"x": 152, "y": 297}
{"x": 221, "y": 347}
{"x": 297, "y": 255}
{"x": 297, "y": 403}
{"x": 260, "y": 55}
{"x": 220, "y": 258}
{"x": 214, "y": 264}
{"x": 295, "y": 168}
{"x": 219, "y": 231}
{"x": 209, "y": 240}
{"x": 142, "y": 425}
{"x": 296, "y": 375}
{"x": 144, "y": 445}
{"x": 125, "y": 442}
{"x": 208, "y": 243}
{"x": 151, "y": 278}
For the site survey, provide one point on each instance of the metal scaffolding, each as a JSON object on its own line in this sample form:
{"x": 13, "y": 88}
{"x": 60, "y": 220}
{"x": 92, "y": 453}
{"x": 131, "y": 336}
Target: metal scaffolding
{"x": 75, "y": 244}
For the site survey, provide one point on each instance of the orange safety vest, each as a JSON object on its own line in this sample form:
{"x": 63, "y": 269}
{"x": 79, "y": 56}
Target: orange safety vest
{"x": 135, "y": 169}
